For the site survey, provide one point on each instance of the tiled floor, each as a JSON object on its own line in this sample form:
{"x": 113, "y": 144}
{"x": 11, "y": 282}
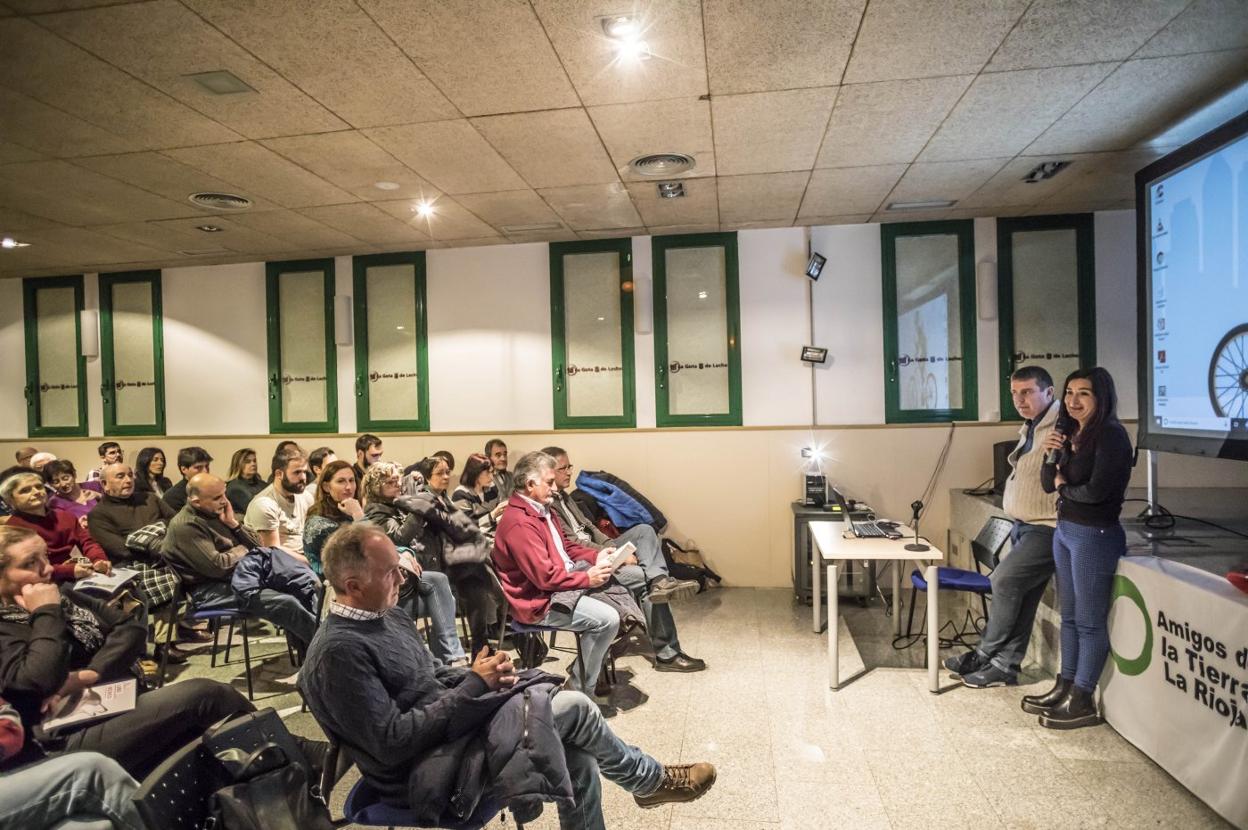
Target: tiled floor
{"x": 881, "y": 753}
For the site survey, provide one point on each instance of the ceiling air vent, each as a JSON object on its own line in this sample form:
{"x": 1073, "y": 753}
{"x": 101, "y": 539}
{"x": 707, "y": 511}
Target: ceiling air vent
{"x": 219, "y": 201}
{"x": 662, "y": 164}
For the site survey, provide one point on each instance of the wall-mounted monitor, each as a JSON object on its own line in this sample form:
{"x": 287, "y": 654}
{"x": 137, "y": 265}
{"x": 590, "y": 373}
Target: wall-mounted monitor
{"x": 1192, "y": 251}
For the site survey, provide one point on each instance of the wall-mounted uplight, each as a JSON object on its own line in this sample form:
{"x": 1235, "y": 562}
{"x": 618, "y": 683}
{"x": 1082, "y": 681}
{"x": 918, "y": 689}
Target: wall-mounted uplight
{"x": 625, "y": 32}
{"x": 9, "y": 243}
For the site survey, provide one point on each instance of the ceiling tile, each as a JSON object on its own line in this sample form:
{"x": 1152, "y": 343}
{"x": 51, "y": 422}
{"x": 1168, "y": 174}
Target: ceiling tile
{"x": 944, "y": 179}
{"x": 34, "y": 125}
{"x": 1100, "y": 177}
{"x": 699, "y": 205}
{"x": 449, "y": 220}
{"x": 554, "y": 148}
{"x": 164, "y": 42}
{"x": 767, "y": 132}
{"x": 335, "y": 53}
{"x": 887, "y": 122}
{"x": 1203, "y": 26}
{"x": 298, "y": 230}
{"x": 165, "y": 177}
{"x": 1008, "y": 188}
{"x": 1139, "y": 100}
{"x": 1004, "y": 112}
{"x": 14, "y": 219}
{"x": 451, "y": 154}
{"x": 352, "y": 162}
{"x": 593, "y": 206}
{"x": 681, "y": 125}
{"x": 39, "y": 64}
{"x": 163, "y": 237}
{"x": 368, "y": 223}
{"x": 673, "y": 31}
{"x": 65, "y": 193}
{"x": 780, "y": 44}
{"x": 233, "y": 236}
{"x": 42, "y": 6}
{"x": 765, "y": 197}
{"x": 11, "y": 153}
{"x": 510, "y": 207}
{"x": 919, "y": 38}
{"x": 486, "y": 56}
{"x": 561, "y": 235}
{"x": 80, "y": 248}
{"x": 848, "y": 190}
{"x": 259, "y": 169}
{"x": 1062, "y": 32}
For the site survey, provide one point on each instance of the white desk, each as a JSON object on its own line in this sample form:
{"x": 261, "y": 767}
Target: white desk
{"x": 833, "y": 547}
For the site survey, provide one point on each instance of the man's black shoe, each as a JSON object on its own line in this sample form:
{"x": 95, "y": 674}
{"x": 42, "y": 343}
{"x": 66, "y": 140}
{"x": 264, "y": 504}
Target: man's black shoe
{"x": 989, "y": 676}
{"x": 1075, "y": 710}
{"x": 681, "y": 662}
{"x": 174, "y": 656}
{"x": 965, "y": 663}
{"x": 1039, "y": 704}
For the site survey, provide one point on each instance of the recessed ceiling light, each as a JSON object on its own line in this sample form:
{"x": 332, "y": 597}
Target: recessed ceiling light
{"x": 399, "y": 328}
{"x": 671, "y": 190}
{"x": 1045, "y": 170}
{"x": 220, "y": 82}
{"x": 701, "y": 295}
{"x": 9, "y": 243}
{"x": 423, "y": 209}
{"x": 209, "y": 228}
{"x": 386, "y": 185}
{"x": 602, "y": 319}
{"x": 536, "y": 227}
{"x": 631, "y": 51}
{"x": 620, "y": 26}
{"x": 929, "y": 204}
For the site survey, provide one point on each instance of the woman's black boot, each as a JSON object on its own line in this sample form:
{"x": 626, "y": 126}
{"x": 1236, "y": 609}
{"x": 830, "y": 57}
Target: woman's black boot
{"x": 1077, "y": 709}
{"x": 1039, "y": 704}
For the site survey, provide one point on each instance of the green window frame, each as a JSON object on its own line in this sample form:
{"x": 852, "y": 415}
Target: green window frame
{"x": 964, "y": 231}
{"x": 274, "y": 271}
{"x": 108, "y": 367}
{"x": 1085, "y": 264}
{"x": 30, "y": 299}
{"x": 660, "y": 245}
{"x": 559, "y": 343}
{"x": 365, "y": 422}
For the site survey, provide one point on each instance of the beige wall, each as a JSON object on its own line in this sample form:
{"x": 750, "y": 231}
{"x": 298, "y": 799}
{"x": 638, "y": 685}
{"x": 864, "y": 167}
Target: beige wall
{"x": 729, "y": 489}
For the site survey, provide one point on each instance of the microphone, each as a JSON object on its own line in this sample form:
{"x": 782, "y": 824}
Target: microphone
{"x": 1065, "y": 425}
{"x": 916, "y": 545}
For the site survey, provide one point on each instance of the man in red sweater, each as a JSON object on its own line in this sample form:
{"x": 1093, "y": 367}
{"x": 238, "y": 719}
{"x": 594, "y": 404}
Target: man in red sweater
{"x": 26, "y": 495}
{"x": 535, "y": 558}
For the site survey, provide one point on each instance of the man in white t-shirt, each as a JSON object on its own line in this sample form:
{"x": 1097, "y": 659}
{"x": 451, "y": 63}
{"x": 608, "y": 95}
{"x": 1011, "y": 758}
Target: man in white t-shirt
{"x": 278, "y": 512}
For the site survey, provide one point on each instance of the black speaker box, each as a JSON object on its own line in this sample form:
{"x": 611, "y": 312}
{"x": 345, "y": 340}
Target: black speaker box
{"x": 1001, "y": 464}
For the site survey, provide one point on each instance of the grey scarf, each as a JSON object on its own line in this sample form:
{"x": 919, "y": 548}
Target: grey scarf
{"x": 83, "y": 625}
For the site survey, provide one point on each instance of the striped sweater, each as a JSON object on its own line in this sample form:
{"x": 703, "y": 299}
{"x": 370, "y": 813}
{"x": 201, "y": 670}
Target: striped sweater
{"x": 1025, "y": 499}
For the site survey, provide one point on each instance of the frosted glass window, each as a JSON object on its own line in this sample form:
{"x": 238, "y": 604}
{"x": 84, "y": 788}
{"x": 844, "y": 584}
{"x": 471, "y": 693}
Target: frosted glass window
{"x": 591, "y": 320}
{"x": 302, "y": 367}
{"x": 54, "y": 393}
{"x": 698, "y": 320}
{"x": 133, "y": 382}
{"x": 390, "y": 382}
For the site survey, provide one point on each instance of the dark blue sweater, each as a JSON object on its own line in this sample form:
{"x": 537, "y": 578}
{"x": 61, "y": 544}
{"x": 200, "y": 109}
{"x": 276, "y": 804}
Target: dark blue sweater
{"x": 376, "y": 689}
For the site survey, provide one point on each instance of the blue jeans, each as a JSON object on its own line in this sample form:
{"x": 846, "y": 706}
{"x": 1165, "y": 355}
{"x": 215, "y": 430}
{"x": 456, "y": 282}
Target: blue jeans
{"x": 433, "y": 598}
{"x": 1086, "y": 558}
{"x": 591, "y": 747}
{"x": 637, "y": 578}
{"x": 77, "y": 789}
{"x": 280, "y": 609}
{"x": 597, "y": 623}
{"x": 1018, "y": 585}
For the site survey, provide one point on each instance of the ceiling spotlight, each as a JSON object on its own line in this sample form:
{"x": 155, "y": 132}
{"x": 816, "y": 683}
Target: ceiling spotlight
{"x": 671, "y": 190}
{"x": 386, "y": 185}
{"x": 702, "y": 295}
{"x": 632, "y": 50}
{"x": 423, "y": 209}
{"x": 620, "y": 27}
{"x": 1045, "y": 170}
{"x": 929, "y": 204}
{"x": 208, "y": 228}
{"x": 9, "y": 243}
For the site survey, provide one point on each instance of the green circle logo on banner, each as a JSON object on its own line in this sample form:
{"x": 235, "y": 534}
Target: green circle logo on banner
{"x": 1124, "y": 587}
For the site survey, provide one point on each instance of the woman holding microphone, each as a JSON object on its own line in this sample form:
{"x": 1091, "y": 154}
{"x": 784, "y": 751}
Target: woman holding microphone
{"x": 1092, "y": 464}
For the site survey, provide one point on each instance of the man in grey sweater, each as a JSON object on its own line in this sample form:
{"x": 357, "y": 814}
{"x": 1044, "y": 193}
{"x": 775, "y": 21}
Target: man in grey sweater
{"x": 1018, "y": 583}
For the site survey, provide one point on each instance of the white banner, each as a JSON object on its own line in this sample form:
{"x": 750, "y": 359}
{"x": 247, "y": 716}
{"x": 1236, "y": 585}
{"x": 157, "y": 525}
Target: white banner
{"x": 1176, "y": 684}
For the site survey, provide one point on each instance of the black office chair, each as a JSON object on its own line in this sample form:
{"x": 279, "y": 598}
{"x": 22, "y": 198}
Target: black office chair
{"x": 176, "y": 795}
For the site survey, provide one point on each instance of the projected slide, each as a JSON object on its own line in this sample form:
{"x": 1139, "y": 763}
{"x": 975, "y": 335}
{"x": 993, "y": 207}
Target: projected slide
{"x": 1198, "y": 261}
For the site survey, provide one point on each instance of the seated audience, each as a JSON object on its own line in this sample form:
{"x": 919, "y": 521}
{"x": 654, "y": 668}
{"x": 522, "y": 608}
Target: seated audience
{"x": 367, "y": 452}
{"x": 122, "y": 511}
{"x": 191, "y": 462}
{"x": 504, "y": 481}
{"x": 40, "y": 460}
{"x": 278, "y": 512}
{"x": 68, "y": 494}
{"x": 647, "y": 578}
{"x": 535, "y": 560}
{"x": 372, "y": 685}
{"x": 53, "y": 645}
{"x": 446, "y": 456}
{"x": 444, "y": 539}
{"x": 1090, "y": 480}
{"x": 333, "y": 505}
{"x": 72, "y": 551}
{"x": 205, "y": 542}
{"x": 81, "y": 789}
{"x": 424, "y": 591}
{"x": 476, "y": 494}
{"x": 110, "y": 453}
{"x": 244, "y": 481}
{"x": 317, "y": 459}
{"x": 149, "y": 472}
{"x": 24, "y": 455}
{"x": 1018, "y": 582}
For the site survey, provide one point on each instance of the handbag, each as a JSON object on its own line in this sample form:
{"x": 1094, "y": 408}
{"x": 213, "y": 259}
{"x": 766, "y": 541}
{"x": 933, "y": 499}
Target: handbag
{"x": 270, "y": 792}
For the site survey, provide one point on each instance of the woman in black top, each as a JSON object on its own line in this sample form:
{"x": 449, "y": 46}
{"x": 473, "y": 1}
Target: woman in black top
{"x": 244, "y": 480}
{"x": 149, "y": 472}
{"x": 1090, "y": 478}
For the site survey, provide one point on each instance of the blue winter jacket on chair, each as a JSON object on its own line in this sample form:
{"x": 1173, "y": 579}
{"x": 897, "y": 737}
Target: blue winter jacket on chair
{"x": 623, "y": 510}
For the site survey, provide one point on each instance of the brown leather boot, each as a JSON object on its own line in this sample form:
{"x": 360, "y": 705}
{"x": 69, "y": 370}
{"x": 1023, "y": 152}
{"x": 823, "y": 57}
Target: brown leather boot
{"x": 681, "y": 782}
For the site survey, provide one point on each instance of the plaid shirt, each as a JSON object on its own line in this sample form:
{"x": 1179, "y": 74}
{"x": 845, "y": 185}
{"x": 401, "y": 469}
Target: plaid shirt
{"x": 353, "y": 613}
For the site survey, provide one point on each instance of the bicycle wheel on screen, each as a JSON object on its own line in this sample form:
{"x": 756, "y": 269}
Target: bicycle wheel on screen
{"x": 1228, "y": 374}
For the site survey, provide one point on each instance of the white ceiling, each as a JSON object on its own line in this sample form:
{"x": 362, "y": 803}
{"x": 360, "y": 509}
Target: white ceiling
{"x": 508, "y": 114}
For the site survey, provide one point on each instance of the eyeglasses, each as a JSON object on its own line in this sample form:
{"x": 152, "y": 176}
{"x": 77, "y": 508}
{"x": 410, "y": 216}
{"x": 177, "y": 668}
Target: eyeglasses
{"x": 566, "y": 468}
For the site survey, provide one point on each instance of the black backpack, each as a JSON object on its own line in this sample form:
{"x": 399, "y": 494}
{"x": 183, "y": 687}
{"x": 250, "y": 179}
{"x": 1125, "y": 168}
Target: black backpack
{"x": 688, "y": 564}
